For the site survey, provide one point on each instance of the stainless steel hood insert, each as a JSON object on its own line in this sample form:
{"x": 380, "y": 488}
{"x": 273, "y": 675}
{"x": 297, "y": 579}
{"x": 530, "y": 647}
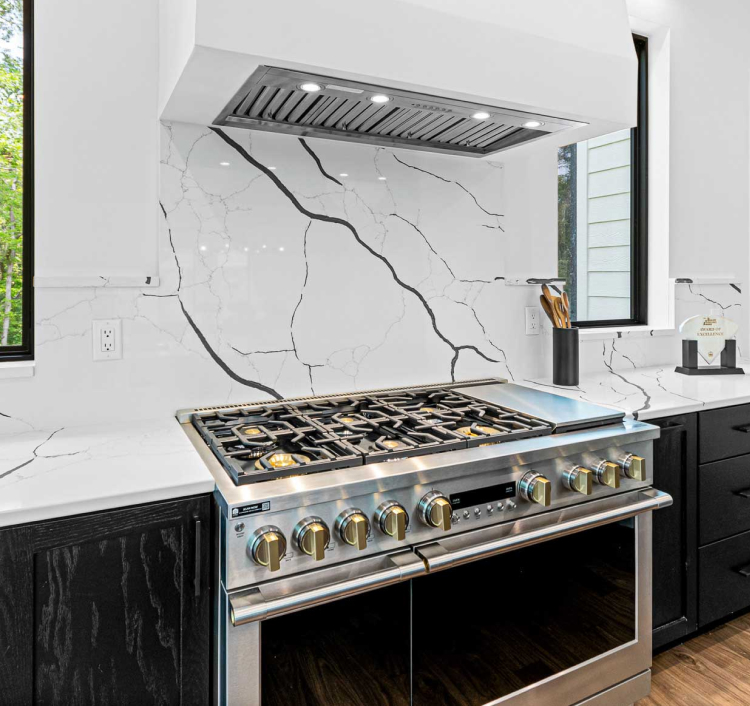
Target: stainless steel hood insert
{"x": 272, "y": 99}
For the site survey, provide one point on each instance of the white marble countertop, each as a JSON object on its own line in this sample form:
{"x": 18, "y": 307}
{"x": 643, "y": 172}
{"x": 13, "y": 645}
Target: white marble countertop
{"x": 72, "y": 470}
{"x": 67, "y": 471}
{"x": 649, "y": 393}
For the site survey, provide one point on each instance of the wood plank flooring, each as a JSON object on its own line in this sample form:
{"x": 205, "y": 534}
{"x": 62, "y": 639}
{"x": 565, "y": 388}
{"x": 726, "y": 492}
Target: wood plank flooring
{"x": 713, "y": 668}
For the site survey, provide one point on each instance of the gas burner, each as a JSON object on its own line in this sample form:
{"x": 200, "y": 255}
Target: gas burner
{"x": 281, "y": 460}
{"x": 476, "y": 430}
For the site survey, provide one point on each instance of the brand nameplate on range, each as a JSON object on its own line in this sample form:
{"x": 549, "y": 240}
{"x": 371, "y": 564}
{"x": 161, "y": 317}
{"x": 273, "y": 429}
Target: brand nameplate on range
{"x": 253, "y": 509}
{"x": 479, "y": 496}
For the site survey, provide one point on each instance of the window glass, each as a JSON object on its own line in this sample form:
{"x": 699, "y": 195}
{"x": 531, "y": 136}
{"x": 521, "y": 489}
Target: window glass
{"x": 11, "y": 174}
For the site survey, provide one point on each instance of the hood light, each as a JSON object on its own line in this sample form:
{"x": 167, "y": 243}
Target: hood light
{"x": 533, "y": 124}
{"x": 310, "y": 87}
{"x": 379, "y": 98}
{"x": 481, "y": 115}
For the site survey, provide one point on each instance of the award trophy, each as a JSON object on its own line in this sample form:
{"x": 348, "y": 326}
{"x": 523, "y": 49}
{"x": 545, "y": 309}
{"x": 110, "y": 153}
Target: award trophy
{"x": 709, "y": 337}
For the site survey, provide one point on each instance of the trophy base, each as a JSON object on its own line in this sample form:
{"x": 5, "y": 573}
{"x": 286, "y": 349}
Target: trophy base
{"x": 708, "y": 370}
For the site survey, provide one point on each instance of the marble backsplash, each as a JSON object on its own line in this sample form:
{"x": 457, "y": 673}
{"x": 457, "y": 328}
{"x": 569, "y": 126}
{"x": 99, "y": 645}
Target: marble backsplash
{"x": 292, "y": 267}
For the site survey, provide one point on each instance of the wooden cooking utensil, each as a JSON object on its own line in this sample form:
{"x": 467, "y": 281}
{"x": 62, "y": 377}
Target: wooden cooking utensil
{"x": 560, "y": 311}
{"x": 566, "y": 305}
{"x": 551, "y": 312}
{"x": 548, "y": 294}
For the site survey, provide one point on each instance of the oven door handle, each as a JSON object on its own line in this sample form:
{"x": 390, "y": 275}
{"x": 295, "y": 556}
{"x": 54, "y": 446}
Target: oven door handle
{"x": 481, "y": 544}
{"x": 322, "y": 586}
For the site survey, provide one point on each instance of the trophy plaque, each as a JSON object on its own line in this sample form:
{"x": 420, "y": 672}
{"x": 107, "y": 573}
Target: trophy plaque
{"x": 709, "y": 338}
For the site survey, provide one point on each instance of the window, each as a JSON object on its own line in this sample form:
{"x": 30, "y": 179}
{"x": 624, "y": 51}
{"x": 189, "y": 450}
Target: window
{"x": 16, "y": 183}
{"x": 602, "y": 220}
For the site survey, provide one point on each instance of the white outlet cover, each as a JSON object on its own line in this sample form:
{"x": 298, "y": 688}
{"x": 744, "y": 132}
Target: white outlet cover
{"x": 533, "y": 324}
{"x": 97, "y": 332}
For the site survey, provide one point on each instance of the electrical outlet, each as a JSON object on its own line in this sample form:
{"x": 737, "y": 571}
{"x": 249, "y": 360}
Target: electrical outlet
{"x": 107, "y": 339}
{"x": 533, "y": 324}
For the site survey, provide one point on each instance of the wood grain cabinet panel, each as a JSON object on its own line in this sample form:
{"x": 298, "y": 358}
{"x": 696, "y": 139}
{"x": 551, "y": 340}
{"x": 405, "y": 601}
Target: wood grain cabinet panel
{"x": 674, "y": 530}
{"x": 724, "y": 578}
{"x": 724, "y": 432}
{"x": 109, "y": 608}
{"x": 724, "y": 492}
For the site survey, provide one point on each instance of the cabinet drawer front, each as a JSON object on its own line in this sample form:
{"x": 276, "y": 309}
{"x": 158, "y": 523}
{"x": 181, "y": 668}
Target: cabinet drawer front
{"x": 724, "y": 578}
{"x": 724, "y": 432}
{"x": 724, "y": 497}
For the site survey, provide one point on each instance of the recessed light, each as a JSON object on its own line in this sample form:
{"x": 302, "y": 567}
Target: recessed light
{"x": 310, "y": 87}
{"x": 281, "y": 249}
{"x": 381, "y": 178}
{"x": 533, "y": 123}
{"x": 223, "y": 164}
{"x": 273, "y": 169}
{"x": 343, "y": 175}
{"x": 246, "y": 249}
{"x": 379, "y": 98}
{"x": 203, "y": 248}
{"x": 481, "y": 115}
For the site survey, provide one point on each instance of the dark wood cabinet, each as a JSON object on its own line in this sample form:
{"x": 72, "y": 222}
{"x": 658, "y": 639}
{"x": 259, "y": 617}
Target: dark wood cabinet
{"x": 675, "y": 530}
{"x": 108, "y": 608}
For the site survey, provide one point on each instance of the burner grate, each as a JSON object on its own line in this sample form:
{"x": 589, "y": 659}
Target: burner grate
{"x": 312, "y": 435}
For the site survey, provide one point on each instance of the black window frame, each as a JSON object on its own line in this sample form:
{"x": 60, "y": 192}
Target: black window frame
{"x": 25, "y": 351}
{"x": 638, "y": 205}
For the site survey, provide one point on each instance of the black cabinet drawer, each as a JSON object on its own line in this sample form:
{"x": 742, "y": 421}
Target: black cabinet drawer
{"x": 724, "y": 578}
{"x": 724, "y": 432}
{"x": 724, "y": 498}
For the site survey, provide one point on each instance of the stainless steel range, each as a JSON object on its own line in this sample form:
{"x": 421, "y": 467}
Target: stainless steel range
{"x": 471, "y": 543}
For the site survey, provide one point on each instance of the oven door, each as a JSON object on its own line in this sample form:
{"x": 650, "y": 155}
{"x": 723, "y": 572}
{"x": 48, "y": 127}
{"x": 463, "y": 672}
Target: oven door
{"x": 544, "y": 610}
{"x": 337, "y": 636}
{"x": 550, "y": 610}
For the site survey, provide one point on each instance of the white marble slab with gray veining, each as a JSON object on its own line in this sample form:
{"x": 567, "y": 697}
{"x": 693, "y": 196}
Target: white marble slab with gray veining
{"x": 71, "y": 470}
{"x": 657, "y": 391}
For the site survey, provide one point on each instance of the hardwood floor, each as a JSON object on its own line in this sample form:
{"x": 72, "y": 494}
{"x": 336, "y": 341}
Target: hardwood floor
{"x": 713, "y": 668}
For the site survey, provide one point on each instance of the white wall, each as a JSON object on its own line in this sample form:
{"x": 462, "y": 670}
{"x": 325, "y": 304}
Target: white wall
{"x": 96, "y": 75}
{"x": 97, "y": 216}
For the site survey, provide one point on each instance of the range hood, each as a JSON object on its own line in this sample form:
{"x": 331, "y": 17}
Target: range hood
{"x": 311, "y": 105}
{"x": 468, "y": 77}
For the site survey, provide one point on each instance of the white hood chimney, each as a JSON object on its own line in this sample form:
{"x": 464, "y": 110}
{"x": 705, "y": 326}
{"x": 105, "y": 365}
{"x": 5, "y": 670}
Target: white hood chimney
{"x": 534, "y": 67}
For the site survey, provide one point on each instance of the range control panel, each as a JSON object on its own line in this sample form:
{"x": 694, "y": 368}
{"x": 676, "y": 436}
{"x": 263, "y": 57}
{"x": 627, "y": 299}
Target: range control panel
{"x": 261, "y": 544}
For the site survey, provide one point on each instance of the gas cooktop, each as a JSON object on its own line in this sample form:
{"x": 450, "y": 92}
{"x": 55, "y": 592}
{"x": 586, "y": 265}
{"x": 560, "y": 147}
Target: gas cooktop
{"x": 289, "y": 438}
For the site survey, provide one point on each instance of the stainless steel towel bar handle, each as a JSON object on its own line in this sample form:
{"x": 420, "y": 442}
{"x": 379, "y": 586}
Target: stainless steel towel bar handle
{"x": 322, "y": 586}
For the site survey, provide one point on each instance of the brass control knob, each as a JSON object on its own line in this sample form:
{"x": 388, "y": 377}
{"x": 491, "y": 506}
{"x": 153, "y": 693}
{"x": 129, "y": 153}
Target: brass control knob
{"x": 392, "y": 519}
{"x": 435, "y": 510}
{"x": 535, "y": 488}
{"x": 312, "y": 536}
{"x": 353, "y": 527}
{"x": 608, "y": 473}
{"x": 267, "y": 547}
{"x": 579, "y": 479}
{"x": 634, "y": 466}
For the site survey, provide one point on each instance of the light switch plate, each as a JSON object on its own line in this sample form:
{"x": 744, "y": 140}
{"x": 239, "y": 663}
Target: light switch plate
{"x": 106, "y": 337}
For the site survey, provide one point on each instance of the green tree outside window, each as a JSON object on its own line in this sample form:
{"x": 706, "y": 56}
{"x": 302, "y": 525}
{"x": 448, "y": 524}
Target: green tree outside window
{"x": 11, "y": 172}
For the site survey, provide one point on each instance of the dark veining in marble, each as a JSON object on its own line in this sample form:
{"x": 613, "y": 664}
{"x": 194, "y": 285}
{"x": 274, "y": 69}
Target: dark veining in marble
{"x": 647, "y": 404}
{"x": 458, "y": 184}
{"x": 315, "y": 157}
{"x": 309, "y": 366}
{"x": 171, "y": 245}
{"x": 700, "y": 294}
{"x": 244, "y": 381}
{"x": 457, "y": 349}
{"x": 35, "y": 454}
